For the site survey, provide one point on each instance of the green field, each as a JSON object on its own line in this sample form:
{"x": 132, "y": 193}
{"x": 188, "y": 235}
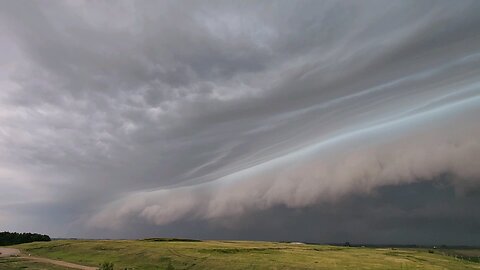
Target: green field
{"x": 20, "y": 264}
{"x": 156, "y": 254}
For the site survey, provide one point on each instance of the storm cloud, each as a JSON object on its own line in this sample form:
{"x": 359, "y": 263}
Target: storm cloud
{"x": 166, "y": 115}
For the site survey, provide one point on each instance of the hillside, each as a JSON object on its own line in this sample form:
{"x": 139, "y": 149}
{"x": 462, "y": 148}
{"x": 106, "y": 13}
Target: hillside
{"x": 160, "y": 253}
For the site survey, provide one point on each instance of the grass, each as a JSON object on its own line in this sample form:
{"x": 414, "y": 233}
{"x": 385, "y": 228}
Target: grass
{"x": 21, "y": 264}
{"x": 158, "y": 254}
{"x": 464, "y": 254}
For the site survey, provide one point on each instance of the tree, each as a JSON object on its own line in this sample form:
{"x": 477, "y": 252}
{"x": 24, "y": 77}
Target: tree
{"x": 13, "y": 238}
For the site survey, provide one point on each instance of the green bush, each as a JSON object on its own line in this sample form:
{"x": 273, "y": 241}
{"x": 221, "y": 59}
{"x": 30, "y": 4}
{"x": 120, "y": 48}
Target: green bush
{"x": 106, "y": 266}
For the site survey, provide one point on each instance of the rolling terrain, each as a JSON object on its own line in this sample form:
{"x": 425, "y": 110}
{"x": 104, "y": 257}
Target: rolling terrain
{"x": 192, "y": 254}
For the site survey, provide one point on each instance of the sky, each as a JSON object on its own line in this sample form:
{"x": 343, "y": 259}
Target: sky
{"x": 315, "y": 121}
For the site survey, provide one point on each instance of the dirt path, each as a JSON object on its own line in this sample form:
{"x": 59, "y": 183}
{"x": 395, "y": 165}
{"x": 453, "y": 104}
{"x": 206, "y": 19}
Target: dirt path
{"x": 7, "y": 252}
{"x": 59, "y": 263}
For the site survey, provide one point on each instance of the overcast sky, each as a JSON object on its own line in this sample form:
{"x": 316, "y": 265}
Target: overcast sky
{"x": 325, "y": 121}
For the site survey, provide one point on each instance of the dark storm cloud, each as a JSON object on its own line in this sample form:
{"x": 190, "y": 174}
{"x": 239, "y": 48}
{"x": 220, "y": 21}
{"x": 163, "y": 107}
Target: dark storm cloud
{"x": 426, "y": 212}
{"x": 162, "y": 112}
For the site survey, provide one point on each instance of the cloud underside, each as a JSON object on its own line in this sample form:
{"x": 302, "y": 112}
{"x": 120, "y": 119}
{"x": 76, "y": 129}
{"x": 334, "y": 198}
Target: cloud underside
{"x": 164, "y": 112}
{"x": 416, "y": 148}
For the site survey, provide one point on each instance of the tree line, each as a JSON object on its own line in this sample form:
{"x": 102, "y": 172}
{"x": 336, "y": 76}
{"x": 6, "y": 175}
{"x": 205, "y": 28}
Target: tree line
{"x": 13, "y": 238}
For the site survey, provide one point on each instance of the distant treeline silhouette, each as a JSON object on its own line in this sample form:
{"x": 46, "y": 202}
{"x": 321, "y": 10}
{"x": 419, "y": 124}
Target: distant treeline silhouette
{"x": 13, "y": 238}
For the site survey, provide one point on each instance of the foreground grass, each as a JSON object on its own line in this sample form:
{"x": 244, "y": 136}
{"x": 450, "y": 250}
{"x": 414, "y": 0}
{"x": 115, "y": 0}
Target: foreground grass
{"x": 142, "y": 254}
{"x": 21, "y": 264}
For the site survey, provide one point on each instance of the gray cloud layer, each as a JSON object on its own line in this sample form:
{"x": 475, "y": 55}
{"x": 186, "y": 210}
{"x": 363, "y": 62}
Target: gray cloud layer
{"x": 164, "y": 112}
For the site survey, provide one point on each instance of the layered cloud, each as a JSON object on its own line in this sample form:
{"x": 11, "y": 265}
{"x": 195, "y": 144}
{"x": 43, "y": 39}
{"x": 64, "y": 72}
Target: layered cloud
{"x": 186, "y": 112}
{"x": 422, "y": 146}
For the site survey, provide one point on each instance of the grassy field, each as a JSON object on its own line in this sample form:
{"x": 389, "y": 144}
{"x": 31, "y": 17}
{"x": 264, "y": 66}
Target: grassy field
{"x": 152, "y": 254}
{"x": 20, "y": 264}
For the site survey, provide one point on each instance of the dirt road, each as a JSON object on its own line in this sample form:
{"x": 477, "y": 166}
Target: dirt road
{"x": 59, "y": 263}
{"x": 7, "y": 252}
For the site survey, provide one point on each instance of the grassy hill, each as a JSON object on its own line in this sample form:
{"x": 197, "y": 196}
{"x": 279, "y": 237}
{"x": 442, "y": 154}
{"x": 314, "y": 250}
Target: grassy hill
{"x": 184, "y": 254}
{"x": 21, "y": 264}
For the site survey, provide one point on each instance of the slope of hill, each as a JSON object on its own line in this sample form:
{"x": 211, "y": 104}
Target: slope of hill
{"x": 158, "y": 254}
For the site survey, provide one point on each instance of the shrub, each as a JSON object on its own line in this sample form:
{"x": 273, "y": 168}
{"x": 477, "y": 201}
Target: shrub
{"x": 106, "y": 266}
